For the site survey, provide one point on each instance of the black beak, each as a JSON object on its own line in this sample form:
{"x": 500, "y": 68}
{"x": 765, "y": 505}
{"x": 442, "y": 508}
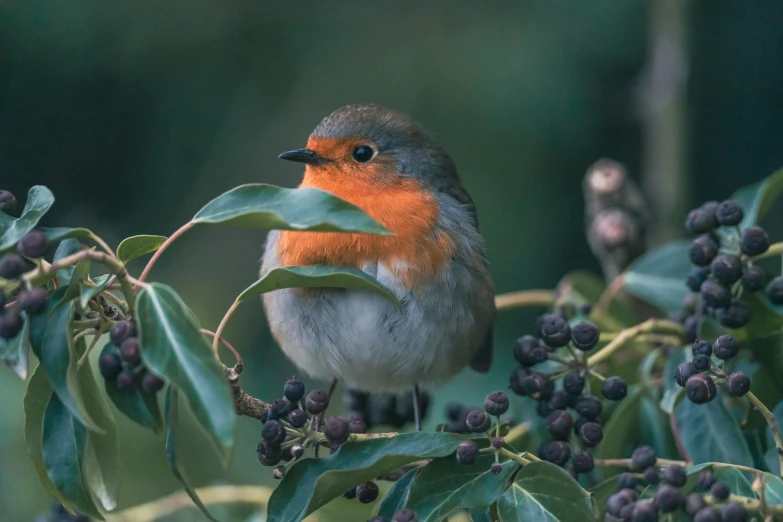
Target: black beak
{"x": 302, "y": 156}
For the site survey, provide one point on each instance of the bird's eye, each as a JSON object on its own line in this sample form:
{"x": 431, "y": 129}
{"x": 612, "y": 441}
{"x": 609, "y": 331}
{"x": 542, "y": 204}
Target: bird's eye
{"x": 363, "y": 153}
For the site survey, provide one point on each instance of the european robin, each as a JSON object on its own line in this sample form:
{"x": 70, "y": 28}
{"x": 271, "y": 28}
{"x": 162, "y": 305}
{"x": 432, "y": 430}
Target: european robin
{"x": 390, "y": 167}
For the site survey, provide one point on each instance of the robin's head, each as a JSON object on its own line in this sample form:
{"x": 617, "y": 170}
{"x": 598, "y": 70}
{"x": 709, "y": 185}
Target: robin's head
{"x": 370, "y": 143}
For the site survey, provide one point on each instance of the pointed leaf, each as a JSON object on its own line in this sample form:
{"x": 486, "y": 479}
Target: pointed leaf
{"x": 654, "y": 425}
{"x": 773, "y": 489}
{"x": 15, "y": 352}
{"x": 86, "y": 293}
{"x": 56, "y": 234}
{"x": 771, "y": 458}
{"x": 621, "y": 432}
{"x": 671, "y": 398}
{"x": 312, "y": 483}
{"x": 137, "y": 246}
{"x": 39, "y": 201}
{"x": 66, "y": 248}
{"x": 174, "y": 348}
{"x": 138, "y": 406}
{"x": 317, "y": 276}
{"x": 171, "y": 426}
{"x": 658, "y": 277}
{"x": 756, "y": 199}
{"x": 543, "y": 492}
{"x": 397, "y": 496}
{"x": 270, "y": 207}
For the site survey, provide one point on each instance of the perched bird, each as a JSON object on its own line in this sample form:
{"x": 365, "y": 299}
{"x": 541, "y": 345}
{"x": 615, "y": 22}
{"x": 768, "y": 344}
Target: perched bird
{"x": 390, "y": 167}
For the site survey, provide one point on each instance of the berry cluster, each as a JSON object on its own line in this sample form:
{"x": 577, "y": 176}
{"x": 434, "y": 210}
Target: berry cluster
{"x": 123, "y": 364}
{"x": 29, "y": 300}
{"x": 724, "y": 266}
{"x": 627, "y": 505}
{"x": 276, "y": 445}
{"x": 403, "y": 515}
{"x": 700, "y": 375}
{"x": 384, "y": 409}
{"x": 58, "y": 512}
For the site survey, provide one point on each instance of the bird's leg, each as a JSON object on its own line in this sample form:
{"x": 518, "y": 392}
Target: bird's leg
{"x": 416, "y": 414}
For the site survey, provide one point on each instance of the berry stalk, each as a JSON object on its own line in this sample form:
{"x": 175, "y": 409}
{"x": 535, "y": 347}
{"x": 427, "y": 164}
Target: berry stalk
{"x": 649, "y": 326}
{"x": 543, "y": 298}
{"x": 773, "y": 425}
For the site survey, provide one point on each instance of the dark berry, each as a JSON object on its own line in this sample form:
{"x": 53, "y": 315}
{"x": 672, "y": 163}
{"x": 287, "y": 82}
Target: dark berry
{"x": 691, "y": 328}
{"x": 350, "y": 494}
{"x": 3, "y": 301}
{"x": 726, "y": 268}
{"x": 725, "y": 347}
{"x": 735, "y": 512}
{"x": 294, "y": 390}
{"x": 297, "y": 418}
{"x": 626, "y": 481}
{"x": 720, "y": 491}
{"x": 714, "y": 294}
{"x": 367, "y": 492}
{"x": 528, "y": 351}
{"x": 573, "y": 383}
{"x": 12, "y": 266}
{"x": 738, "y": 384}
{"x": 264, "y": 416}
{"x": 316, "y": 402}
{"x": 478, "y": 421}
{"x": 10, "y": 324}
{"x": 279, "y": 409}
{"x": 674, "y": 476}
{"x": 121, "y": 331}
{"x": 496, "y": 468}
{"x": 729, "y": 213}
{"x": 297, "y": 450}
{"x": 405, "y": 515}
{"x": 696, "y": 278}
{"x": 693, "y": 504}
{"x": 273, "y": 432}
{"x": 642, "y": 458}
{"x": 700, "y": 388}
{"x": 555, "y": 331}
{"x": 516, "y": 381}
{"x": 498, "y": 442}
{"x": 130, "y": 350}
{"x": 585, "y": 335}
{"x": 707, "y": 514}
{"x": 701, "y": 363}
{"x": 591, "y": 433}
{"x": 705, "y": 481}
{"x": 557, "y": 453}
{"x": 33, "y": 301}
{"x": 754, "y": 241}
{"x": 110, "y": 365}
{"x": 754, "y": 278}
{"x": 775, "y": 291}
{"x": 644, "y": 512}
{"x": 736, "y": 315}
{"x": 702, "y": 219}
{"x": 33, "y": 244}
{"x": 7, "y": 202}
{"x": 269, "y": 454}
{"x": 151, "y": 383}
{"x": 683, "y": 372}
{"x": 126, "y": 380}
{"x": 701, "y": 347}
{"x": 539, "y": 385}
{"x": 467, "y": 452}
{"x": 558, "y": 401}
{"x": 703, "y": 250}
{"x": 357, "y": 425}
{"x": 614, "y": 388}
{"x": 279, "y": 472}
{"x": 496, "y": 403}
{"x": 668, "y": 499}
{"x": 559, "y": 424}
{"x": 378, "y": 519}
{"x": 582, "y": 462}
{"x": 652, "y": 476}
{"x": 589, "y": 406}
{"x": 336, "y": 429}
{"x": 620, "y": 500}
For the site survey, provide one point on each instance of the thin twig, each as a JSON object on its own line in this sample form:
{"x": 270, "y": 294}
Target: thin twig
{"x": 184, "y": 228}
{"x": 773, "y": 425}
{"x": 649, "y": 326}
{"x": 626, "y": 463}
{"x": 244, "y": 404}
{"x": 543, "y": 298}
{"x": 222, "y": 326}
{"x": 227, "y": 345}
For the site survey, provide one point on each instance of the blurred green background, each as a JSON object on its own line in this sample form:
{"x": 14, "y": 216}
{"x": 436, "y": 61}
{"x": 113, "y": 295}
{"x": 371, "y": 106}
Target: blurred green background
{"x": 137, "y": 113}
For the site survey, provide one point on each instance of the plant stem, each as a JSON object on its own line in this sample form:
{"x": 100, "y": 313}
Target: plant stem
{"x": 219, "y": 332}
{"x": 227, "y": 345}
{"x": 749, "y": 503}
{"x": 513, "y": 456}
{"x": 543, "y": 298}
{"x": 773, "y": 425}
{"x": 86, "y": 353}
{"x": 626, "y": 463}
{"x": 102, "y": 244}
{"x": 774, "y": 250}
{"x": 184, "y": 228}
{"x": 649, "y": 326}
{"x": 517, "y": 432}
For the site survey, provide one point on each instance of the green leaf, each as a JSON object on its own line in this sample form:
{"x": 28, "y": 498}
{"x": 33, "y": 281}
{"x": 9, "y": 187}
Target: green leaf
{"x": 756, "y": 199}
{"x": 66, "y": 248}
{"x": 621, "y": 432}
{"x": 64, "y": 447}
{"x": 602, "y": 492}
{"x": 312, "y": 483}
{"x": 36, "y": 398}
{"x": 582, "y": 287}
{"x": 735, "y": 479}
{"x": 658, "y": 277}
{"x": 671, "y": 398}
{"x": 142, "y": 408}
{"x": 137, "y": 246}
{"x": 87, "y": 293}
{"x": 270, "y": 207}
{"x": 15, "y": 352}
{"x": 171, "y": 454}
{"x": 397, "y": 496}
{"x": 39, "y": 201}
{"x": 543, "y": 492}
{"x": 317, "y": 276}
{"x": 56, "y": 234}
{"x": 773, "y": 489}
{"x": 175, "y": 349}
{"x": 771, "y": 458}
{"x": 444, "y": 485}
{"x": 698, "y": 425}
{"x": 655, "y": 429}
{"x": 51, "y": 332}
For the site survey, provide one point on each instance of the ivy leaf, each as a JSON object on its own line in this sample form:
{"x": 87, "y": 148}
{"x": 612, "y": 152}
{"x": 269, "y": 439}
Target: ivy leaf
{"x": 266, "y": 206}
{"x": 312, "y": 483}
{"x": 445, "y": 485}
{"x": 699, "y": 425}
{"x": 66, "y": 248}
{"x": 397, "y": 496}
{"x": 602, "y": 492}
{"x": 57, "y": 234}
{"x": 621, "y": 431}
{"x": 756, "y": 199}
{"x": 39, "y": 201}
{"x": 136, "y": 246}
{"x": 317, "y": 276}
{"x": 581, "y": 287}
{"x": 141, "y": 408}
{"x": 671, "y": 398}
{"x": 175, "y": 349}
{"x": 545, "y": 493}
{"x": 773, "y": 489}
{"x": 654, "y": 425}
{"x": 15, "y": 352}
{"x": 658, "y": 276}
{"x": 771, "y": 458}
{"x": 171, "y": 454}
{"x": 86, "y": 293}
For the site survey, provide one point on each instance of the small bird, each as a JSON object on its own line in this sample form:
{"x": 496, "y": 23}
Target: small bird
{"x": 435, "y": 263}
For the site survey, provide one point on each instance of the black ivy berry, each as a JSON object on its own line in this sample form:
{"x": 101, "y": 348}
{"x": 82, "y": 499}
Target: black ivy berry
{"x": 702, "y": 251}
{"x": 11, "y": 266}
{"x": 753, "y": 278}
{"x": 367, "y": 492}
{"x": 734, "y": 316}
{"x": 294, "y": 390}
{"x": 589, "y": 406}
{"x": 701, "y": 347}
{"x": 405, "y": 515}
{"x": 573, "y": 383}
{"x": 336, "y": 429}
{"x": 478, "y": 421}
{"x": 273, "y": 432}
{"x": 269, "y": 454}
{"x": 582, "y": 462}
{"x": 620, "y": 500}
{"x": 10, "y": 324}
{"x": 696, "y": 278}
{"x": 33, "y": 244}
{"x": 126, "y": 380}
{"x": 357, "y": 425}
{"x": 130, "y": 351}
{"x": 121, "y": 331}
{"x": 668, "y": 499}
{"x": 467, "y": 452}
{"x": 539, "y": 385}
{"x": 614, "y": 388}
{"x": 7, "y": 202}
{"x": 674, "y": 476}
{"x": 557, "y": 453}
{"x": 720, "y": 491}
{"x": 738, "y": 384}
{"x": 775, "y": 291}
{"x": 33, "y": 301}
{"x": 516, "y": 380}
{"x": 726, "y": 268}
{"x": 528, "y": 351}
{"x": 496, "y": 403}
{"x": 705, "y": 480}
{"x": 626, "y": 481}
{"x": 702, "y": 219}
{"x": 714, "y": 294}
{"x": 585, "y": 335}
{"x": 279, "y": 472}
{"x": 151, "y": 383}
{"x": 700, "y": 388}
{"x": 729, "y": 213}
{"x": 297, "y": 418}
{"x": 693, "y": 503}
{"x": 644, "y": 512}
{"x": 110, "y": 365}
{"x": 707, "y": 514}
{"x": 652, "y": 476}
{"x": 555, "y": 331}
{"x": 691, "y": 328}
{"x": 559, "y": 424}
{"x": 701, "y": 363}
{"x": 735, "y": 512}
{"x": 725, "y": 347}
{"x": 279, "y": 409}
{"x": 316, "y": 402}
{"x": 642, "y": 458}
{"x": 591, "y": 433}
{"x": 496, "y": 468}
{"x": 754, "y": 241}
